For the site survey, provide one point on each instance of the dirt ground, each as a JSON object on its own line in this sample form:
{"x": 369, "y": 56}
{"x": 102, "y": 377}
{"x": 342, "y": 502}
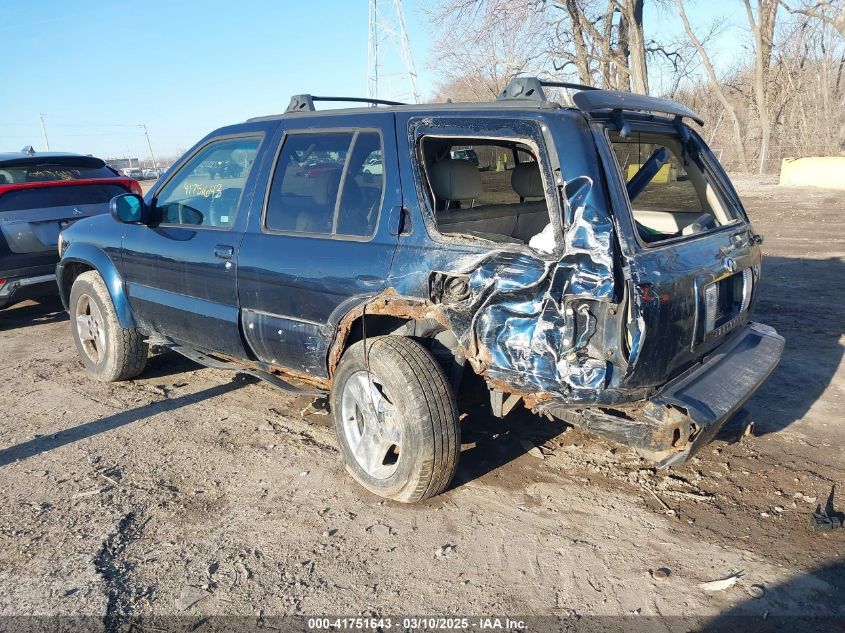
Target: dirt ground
{"x": 192, "y": 491}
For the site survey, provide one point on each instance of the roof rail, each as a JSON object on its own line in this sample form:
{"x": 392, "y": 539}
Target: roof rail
{"x": 305, "y": 103}
{"x": 532, "y": 88}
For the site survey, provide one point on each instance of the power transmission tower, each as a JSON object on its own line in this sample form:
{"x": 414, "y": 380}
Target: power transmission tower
{"x": 387, "y": 37}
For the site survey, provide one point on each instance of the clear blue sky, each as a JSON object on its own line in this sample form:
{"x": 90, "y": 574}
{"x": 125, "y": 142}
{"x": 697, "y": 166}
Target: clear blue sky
{"x": 97, "y": 69}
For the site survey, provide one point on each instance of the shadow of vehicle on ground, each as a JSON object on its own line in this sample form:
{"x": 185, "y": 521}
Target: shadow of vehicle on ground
{"x": 489, "y": 442}
{"x": 43, "y": 443}
{"x": 802, "y": 300}
{"x": 32, "y": 313}
{"x": 810, "y": 602}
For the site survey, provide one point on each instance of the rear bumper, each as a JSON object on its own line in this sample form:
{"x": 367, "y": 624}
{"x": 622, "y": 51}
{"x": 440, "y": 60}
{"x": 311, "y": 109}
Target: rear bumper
{"x": 688, "y": 411}
{"x": 33, "y": 284}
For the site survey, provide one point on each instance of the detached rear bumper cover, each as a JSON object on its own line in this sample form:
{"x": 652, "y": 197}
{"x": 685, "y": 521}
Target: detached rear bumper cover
{"x": 688, "y": 411}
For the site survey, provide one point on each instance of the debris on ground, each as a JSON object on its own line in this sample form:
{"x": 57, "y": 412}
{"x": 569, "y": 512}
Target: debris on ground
{"x": 722, "y": 583}
{"x": 444, "y": 550}
{"x": 821, "y": 521}
{"x": 189, "y": 597}
{"x": 756, "y": 591}
{"x": 666, "y": 508}
{"x": 380, "y": 529}
{"x": 661, "y": 573}
{"x": 826, "y": 518}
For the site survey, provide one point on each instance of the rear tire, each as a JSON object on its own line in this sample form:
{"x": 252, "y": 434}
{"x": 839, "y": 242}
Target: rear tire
{"x": 108, "y": 351}
{"x": 396, "y": 423}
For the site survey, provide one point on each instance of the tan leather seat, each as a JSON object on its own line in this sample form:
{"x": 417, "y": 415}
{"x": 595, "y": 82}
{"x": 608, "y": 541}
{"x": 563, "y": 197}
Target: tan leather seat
{"x": 459, "y": 181}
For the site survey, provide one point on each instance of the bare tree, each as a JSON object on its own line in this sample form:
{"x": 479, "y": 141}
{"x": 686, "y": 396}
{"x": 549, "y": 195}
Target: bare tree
{"x": 789, "y": 87}
{"x": 604, "y": 41}
{"x": 632, "y": 12}
{"x": 762, "y": 29}
{"x": 715, "y": 85}
{"x": 832, "y": 13}
{"x": 480, "y": 44}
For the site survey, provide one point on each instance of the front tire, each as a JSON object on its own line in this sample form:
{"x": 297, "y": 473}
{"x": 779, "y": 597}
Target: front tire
{"x": 396, "y": 421}
{"x": 108, "y": 351}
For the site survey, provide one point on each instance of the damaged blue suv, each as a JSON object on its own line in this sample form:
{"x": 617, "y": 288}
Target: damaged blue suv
{"x": 592, "y": 262}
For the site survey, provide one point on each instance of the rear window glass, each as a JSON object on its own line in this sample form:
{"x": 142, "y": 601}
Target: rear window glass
{"x": 47, "y": 173}
{"x": 46, "y": 197}
{"x": 671, "y": 192}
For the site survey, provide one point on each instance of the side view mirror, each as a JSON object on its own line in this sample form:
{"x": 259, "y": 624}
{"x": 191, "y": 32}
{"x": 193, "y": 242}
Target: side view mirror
{"x": 128, "y": 208}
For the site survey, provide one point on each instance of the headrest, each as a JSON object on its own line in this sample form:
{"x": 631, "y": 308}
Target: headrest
{"x": 453, "y": 179}
{"x": 526, "y": 180}
{"x": 324, "y": 187}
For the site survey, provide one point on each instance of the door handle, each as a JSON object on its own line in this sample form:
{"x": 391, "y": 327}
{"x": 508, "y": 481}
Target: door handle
{"x": 224, "y": 251}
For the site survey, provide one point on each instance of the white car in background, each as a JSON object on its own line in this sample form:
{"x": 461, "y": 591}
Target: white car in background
{"x": 373, "y": 165}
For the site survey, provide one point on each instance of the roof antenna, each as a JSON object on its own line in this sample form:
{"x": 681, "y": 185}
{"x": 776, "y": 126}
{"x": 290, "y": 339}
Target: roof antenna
{"x": 29, "y": 149}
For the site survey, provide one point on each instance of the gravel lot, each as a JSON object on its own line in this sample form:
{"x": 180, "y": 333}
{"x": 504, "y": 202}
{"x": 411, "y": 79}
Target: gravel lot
{"x": 197, "y": 492}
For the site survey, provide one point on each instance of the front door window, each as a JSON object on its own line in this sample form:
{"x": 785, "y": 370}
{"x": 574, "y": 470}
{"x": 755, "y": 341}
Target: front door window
{"x": 207, "y": 189}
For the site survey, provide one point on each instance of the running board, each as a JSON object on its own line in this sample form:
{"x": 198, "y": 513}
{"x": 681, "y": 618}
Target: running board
{"x": 216, "y": 363}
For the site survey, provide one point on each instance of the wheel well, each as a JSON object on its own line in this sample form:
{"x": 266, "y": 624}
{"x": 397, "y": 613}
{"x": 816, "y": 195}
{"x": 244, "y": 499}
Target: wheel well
{"x": 441, "y": 342}
{"x": 71, "y": 271}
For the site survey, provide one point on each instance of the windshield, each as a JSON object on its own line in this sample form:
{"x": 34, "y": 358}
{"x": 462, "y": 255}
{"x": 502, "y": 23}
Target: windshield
{"x": 671, "y": 193}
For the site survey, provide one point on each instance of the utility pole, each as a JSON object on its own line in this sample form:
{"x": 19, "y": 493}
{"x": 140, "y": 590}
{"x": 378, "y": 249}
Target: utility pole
{"x": 388, "y": 27}
{"x": 372, "y": 52}
{"x": 44, "y": 131}
{"x": 153, "y": 156}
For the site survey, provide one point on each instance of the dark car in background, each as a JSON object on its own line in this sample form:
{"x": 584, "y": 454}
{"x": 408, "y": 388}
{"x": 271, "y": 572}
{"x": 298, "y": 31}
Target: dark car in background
{"x": 40, "y": 195}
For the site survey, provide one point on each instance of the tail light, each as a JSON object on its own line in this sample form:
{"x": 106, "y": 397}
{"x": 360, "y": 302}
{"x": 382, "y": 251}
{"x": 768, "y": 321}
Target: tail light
{"x": 711, "y": 304}
{"x": 747, "y": 286}
{"x": 135, "y": 187}
{"x": 2, "y": 282}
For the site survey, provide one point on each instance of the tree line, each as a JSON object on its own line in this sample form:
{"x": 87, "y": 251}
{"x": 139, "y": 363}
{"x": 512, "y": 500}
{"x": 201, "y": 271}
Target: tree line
{"x": 783, "y": 95}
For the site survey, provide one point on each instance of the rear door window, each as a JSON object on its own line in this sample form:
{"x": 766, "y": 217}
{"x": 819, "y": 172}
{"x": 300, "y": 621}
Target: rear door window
{"x": 490, "y": 189}
{"x": 207, "y": 189}
{"x": 327, "y": 183}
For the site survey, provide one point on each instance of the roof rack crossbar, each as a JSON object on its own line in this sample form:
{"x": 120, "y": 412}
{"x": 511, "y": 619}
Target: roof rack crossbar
{"x": 567, "y": 84}
{"x": 305, "y": 103}
{"x": 531, "y": 88}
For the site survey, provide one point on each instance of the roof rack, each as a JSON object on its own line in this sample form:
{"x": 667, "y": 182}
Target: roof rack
{"x": 591, "y": 100}
{"x": 305, "y": 103}
{"x": 532, "y": 88}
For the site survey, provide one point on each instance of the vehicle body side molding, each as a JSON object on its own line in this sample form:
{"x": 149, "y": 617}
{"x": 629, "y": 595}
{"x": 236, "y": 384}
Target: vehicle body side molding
{"x": 90, "y": 255}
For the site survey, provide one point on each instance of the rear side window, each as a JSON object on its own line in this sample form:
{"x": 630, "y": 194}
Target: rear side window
{"x": 207, "y": 189}
{"x": 327, "y": 183}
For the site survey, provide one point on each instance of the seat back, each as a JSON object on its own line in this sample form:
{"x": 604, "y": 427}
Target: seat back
{"x": 455, "y": 180}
